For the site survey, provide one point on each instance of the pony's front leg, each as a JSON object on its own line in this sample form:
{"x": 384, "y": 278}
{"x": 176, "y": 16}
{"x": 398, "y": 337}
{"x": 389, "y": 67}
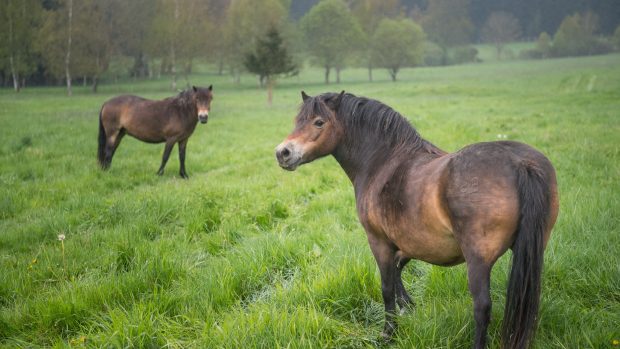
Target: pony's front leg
{"x": 182, "y": 145}
{"x": 165, "y": 157}
{"x": 385, "y": 253}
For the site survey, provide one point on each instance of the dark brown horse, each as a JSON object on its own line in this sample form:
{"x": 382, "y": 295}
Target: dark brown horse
{"x": 171, "y": 120}
{"x": 416, "y": 201}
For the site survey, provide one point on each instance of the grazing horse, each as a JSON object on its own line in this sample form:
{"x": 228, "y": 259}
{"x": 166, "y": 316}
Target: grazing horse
{"x": 416, "y": 201}
{"x": 171, "y": 120}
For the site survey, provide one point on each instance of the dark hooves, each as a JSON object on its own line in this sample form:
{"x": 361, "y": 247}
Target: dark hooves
{"x": 387, "y": 335}
{"x": 386, "y": 338}
{"x": 406, "y": 307}
{"x": 184, "y": 176}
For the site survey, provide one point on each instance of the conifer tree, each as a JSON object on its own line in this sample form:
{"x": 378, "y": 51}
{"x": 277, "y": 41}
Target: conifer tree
{"x": 269, "y": 60}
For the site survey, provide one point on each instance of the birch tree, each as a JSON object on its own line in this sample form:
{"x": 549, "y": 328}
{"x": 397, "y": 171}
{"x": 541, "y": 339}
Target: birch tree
{"x": 18, "y": 21}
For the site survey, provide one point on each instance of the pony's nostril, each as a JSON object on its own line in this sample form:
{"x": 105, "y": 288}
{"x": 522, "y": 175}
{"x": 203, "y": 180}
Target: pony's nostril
{"x": 286, "y": 153}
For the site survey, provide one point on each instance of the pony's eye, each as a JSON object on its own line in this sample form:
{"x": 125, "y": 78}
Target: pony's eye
{"x": 319, "y": 123}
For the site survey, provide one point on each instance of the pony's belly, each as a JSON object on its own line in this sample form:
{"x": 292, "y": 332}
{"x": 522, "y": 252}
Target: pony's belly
{"x": 145, "y": 136}
{"x": 440, "y": 248}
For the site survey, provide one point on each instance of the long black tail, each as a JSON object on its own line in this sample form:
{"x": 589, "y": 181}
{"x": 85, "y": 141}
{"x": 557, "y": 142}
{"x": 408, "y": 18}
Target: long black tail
{"x": 102, "y": 140}
{"x": 523, "y": 294}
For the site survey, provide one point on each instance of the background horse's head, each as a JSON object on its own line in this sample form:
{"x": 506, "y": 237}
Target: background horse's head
{"x": 201, "y": 98}
{"x": 317, "y": 131}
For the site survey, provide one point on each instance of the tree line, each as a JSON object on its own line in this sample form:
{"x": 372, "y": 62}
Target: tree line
{"x": 52, "y": 42}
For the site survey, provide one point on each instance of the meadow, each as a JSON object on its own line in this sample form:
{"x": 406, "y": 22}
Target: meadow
{"x": 244, "y": 254}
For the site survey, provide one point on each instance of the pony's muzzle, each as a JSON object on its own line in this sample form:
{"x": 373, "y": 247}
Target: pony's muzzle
{"x": 288, "y": 155}
{"x": 203, "y": 117}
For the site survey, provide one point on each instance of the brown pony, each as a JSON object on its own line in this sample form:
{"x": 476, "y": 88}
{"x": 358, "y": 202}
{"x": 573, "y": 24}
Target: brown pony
{"x": 416, "y": 201}
{"x": 171, "y": 120}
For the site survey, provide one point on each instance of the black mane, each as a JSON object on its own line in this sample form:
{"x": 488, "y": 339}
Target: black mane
{"x": 184, "y": 98}
{"x": 363, "y": 117}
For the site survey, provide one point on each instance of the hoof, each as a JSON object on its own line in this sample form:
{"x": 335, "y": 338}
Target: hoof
{"x": 386, "y": 338}
{"x": 406, "y": 308}
{"x": 184, "y": 176}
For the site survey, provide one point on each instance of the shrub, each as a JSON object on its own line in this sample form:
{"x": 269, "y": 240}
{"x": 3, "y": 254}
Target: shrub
{"x": 433, "y": 54}
{"x": 532, "y": 53}
{"x": 543, "y": 45}
{"x": 465, "y": 54}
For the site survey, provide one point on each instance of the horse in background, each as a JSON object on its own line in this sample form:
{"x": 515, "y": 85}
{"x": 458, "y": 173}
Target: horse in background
{"x": 171, "y": 120}
{"x": 416, "y": 201}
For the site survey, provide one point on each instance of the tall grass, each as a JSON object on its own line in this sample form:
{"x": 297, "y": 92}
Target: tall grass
{"x": 244, "y": 254}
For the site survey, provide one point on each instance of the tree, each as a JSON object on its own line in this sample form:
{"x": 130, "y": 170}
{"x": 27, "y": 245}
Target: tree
{"x": 331, "y": 35}
{"x": 397, "y": 44}
{"x": 92, "y": 48}
{"x": 53, "y": 42}
{"x": 71, "y": 47}
{"x": 447, "y": 23}
{"x": 269, "y": 60}
{"x": 575, "y": 36}
{"x": 247, "y": 21}
{"x": 68, "y": 47}
{"x": 130, "y": 23}
{"x": 178, "y": 34}
{"x": 368, "y": 14}
{"x": 616, "y": 38}
{"x": 543, "y": 45}
{"x": 500, "y": 28}
{"x": 18, "y": 21}
{"x": 216, "y": 41}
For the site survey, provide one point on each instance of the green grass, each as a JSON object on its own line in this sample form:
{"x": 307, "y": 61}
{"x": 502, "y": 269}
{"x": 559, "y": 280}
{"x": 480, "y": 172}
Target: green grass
{"x": 244, "y": 254}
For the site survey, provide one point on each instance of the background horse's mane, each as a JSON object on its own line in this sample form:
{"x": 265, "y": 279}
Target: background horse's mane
{"x": 361, "y": 116}
{"x": 184, "y": 98}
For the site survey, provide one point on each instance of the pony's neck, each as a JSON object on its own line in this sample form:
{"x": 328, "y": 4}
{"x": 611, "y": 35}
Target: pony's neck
{"x": 363, "y": 156}
{"x": 184, "y": 103}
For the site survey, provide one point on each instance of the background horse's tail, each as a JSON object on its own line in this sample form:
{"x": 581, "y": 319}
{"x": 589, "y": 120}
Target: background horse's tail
{"x": 523, "y": 294}
{"x": 102, "y": 140}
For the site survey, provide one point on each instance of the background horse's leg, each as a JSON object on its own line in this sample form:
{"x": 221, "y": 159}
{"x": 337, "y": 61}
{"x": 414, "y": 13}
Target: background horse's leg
{"x": 478, "y": 276}
{"x": 182, "y": 145}
{"x": 402, "y": 297}
{"x": 385, "y": 255}
{"x": 165, "y": 157}
{"x": 111, "y": 144}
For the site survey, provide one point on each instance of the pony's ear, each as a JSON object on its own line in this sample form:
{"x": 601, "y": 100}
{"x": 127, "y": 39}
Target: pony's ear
{"x": 334, "y": 102}
{"x": 304, "y": 96}
{"x": 194, "y": 88}
{"x": 210, "y": 87}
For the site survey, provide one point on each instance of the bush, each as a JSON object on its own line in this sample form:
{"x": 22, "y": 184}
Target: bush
{"x": 466, "y": 54}
{"x": 433, "y": 54}
{"x": 508, "y": 54}
{"x": 532, "y": 53}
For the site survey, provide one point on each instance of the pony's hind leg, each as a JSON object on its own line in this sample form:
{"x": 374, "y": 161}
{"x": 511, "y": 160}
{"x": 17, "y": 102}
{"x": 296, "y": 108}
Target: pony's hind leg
{"x": 111, "y": 144}
{"x": 478, "y": 280}
{"x": 402, "y": 297}
{"x": 164, "y": 159}
{"x": 182, "y": 145}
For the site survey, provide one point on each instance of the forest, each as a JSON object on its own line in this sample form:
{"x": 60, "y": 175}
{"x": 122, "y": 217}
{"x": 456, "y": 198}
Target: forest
{"x": 65, "y": 42}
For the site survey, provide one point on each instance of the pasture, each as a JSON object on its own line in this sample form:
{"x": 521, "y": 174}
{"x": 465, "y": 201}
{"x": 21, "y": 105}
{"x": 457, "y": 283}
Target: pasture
{"x": 244, "y": 254}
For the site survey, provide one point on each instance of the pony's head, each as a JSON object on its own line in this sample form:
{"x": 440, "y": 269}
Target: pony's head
{"x": 202, "y": 98}
{"x": 317, "y": 131}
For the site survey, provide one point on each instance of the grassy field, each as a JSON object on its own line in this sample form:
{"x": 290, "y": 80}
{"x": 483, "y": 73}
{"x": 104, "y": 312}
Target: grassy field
{"x": 244, "y": 254}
